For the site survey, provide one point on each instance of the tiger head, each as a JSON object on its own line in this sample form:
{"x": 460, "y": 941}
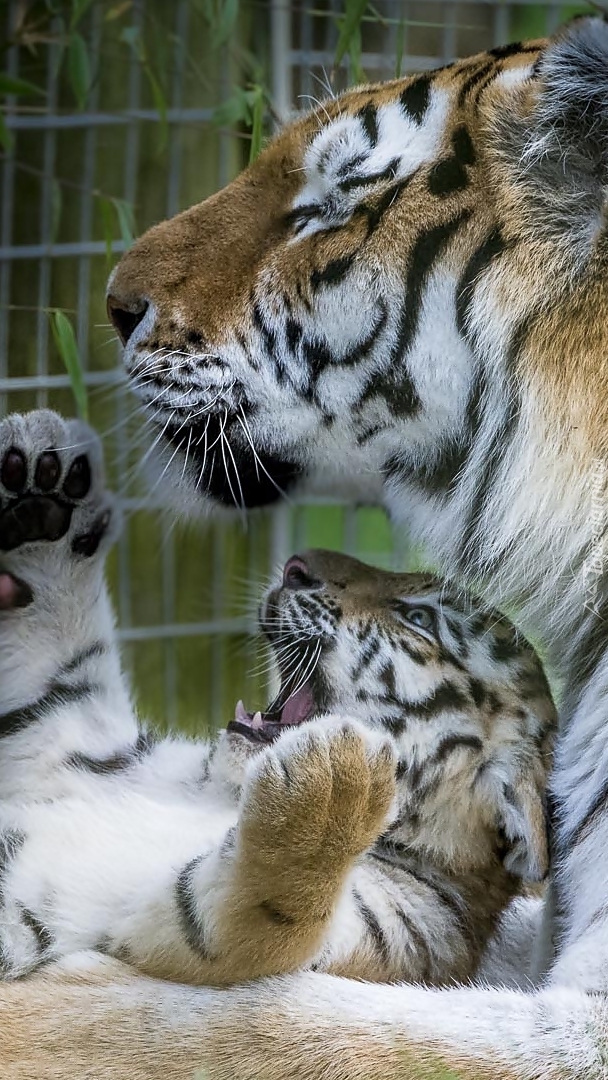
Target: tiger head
{"x": 457, "y": 689}
{"x": 346, "y": 314}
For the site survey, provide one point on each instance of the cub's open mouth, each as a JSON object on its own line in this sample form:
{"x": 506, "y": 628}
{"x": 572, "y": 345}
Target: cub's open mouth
{"x": 290, "y": 708}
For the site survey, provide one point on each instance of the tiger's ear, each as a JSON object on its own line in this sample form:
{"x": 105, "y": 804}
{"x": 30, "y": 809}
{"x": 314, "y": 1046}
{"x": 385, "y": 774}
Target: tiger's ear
{"x": 522, "y": 820}
{"x": 551, "y": 133}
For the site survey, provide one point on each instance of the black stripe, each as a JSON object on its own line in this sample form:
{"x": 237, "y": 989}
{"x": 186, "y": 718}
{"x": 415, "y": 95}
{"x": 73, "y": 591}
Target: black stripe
{"x": 447, "y": 176}
{"x": 501, "y": 439}
{"x": 293, "y": 333}
{"x": 396, "y": 385}
{"x": 44, "y": 937}
{"x": 502, "y": 51}
{"x": 374, "y": 213}
{"x": 396, "y": 725}
{"x": 55, "y": 698}
{"x": 368, "y": 116}
{"x": 462, "y": 145}
{"x": 116, "y": 762}
{"x": 493, "y": 246}
{"x": 300, "y": 216}
{"x": 445, "y": 696}
{"x": 427, "y": 249}
{"x": 415, "y": 98}
{"x": 11, "y": 840}
{"x": 388, "y": 678}
{"x": 483, "y": 85}
{"x": 436, "y": 476}
{"x": 450, "y": 898}
{"x": 590, "y": 645}
{"x": 367, "y": 654}
{"x": 319, "y": 357}
{"x": 187, "y": 909}
{"x": 593, "y": 814}
{"x": 362, "y": 180}
{"x": 373, "y": 927}
{"x": 333, "y": 273}
{"x": 402, "y": 768}
{"x": 507, "y": 646}
{"x": 458, "y": 635}
{"x": 451, "y": 743}
{"x": 473, "y": 80}
{"x": 439, "y": 475}
{"x": 419, "y": 942}
{"x": 267, "y": 333}
{"x": 98, "y": 648}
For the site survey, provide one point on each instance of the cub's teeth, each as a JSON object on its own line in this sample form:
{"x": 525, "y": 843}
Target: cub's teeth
{"x": 240, "y": 712}
{"x": 257, "y": 721}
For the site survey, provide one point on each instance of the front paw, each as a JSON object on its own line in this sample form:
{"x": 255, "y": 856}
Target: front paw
{"x": 54, "y": 509}
{"x": 319, "y": 797}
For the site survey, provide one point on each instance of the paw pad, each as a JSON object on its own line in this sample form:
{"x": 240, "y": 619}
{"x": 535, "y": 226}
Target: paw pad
{"x": 43, "y": 508}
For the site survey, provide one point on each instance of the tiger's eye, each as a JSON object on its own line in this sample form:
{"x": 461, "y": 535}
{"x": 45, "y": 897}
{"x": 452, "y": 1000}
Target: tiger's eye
{"x": 421, "y": 617}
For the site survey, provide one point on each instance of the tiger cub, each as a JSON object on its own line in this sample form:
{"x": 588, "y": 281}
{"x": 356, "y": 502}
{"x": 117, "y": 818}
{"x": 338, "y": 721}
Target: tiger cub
{"x": 374, "y": 821}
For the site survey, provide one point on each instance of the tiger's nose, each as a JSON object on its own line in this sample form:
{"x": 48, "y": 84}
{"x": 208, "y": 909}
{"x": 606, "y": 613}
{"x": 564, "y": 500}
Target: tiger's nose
{"x": 125, "y": 319}
{"x": 297, "y": 575}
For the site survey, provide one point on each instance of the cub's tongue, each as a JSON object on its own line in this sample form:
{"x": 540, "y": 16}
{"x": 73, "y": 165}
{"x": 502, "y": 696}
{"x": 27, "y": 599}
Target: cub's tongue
{"x": 298, "y": 707}
{"x": 264, "y": 727}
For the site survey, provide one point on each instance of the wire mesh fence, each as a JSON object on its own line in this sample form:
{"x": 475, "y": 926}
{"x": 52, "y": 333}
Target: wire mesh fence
{"x": 180, "y": 595}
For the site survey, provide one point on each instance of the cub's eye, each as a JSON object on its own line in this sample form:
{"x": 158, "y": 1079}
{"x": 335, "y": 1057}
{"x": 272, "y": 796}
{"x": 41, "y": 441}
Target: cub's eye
{"x": 420, "y": 617}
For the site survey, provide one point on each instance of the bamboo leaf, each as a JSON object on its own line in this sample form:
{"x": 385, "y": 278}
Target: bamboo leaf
{"x": 132, "y": 37}
{"x": 228, "y": 14}
{"x": 107, "y": 220}
{"x": 117, "y": 10}
{"x": 79, "y": 7}
{"x": 258, "y": 110}
{"x": 399, "y": 48}
{"x": 354, "y": 11}
{"x": 65, "y": 340}
{"x": 235, "y": 110}
{"x": 126, "y": 220}
{"x": 79, "y": 69}
{"x": 357, "y": 74}
{"x": 20, "y": 87}
{"x": 161, "y": 104}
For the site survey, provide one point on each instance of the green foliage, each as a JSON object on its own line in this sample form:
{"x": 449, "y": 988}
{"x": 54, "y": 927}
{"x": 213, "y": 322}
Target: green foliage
{"x": 350, "y": 28}
{"x": 132, "y": 36}
{"x": 399, "y": 48}
{"x": 349, "y": 40}
{"x": 65, "y": 340}
{"x": 79, "y": 68}
{"x": 221, "y": 17}
{"x": 10, "y": 86}
{"x": 114, "y": 211}
{"x": 258, "y": 111}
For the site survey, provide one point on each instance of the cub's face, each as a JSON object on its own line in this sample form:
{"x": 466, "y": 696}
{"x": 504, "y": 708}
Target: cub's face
{"x": 289, "y": 328}
{"x": 461, "y": 694}
{"x": 399, "y": 651}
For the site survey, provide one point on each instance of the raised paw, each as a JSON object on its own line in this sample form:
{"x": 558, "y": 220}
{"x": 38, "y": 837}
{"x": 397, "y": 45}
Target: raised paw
{"x": 51, "y": 486}
{"x": 319, "y": 796}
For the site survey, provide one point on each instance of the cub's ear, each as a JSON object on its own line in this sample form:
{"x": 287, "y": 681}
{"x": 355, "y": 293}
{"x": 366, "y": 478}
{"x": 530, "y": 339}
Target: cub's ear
{"x": 522, "y": 816}
{"x": 551, "y": 132}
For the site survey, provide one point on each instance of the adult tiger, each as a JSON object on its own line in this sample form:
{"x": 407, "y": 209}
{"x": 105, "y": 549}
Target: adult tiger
{"x": 404, "y": 297}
